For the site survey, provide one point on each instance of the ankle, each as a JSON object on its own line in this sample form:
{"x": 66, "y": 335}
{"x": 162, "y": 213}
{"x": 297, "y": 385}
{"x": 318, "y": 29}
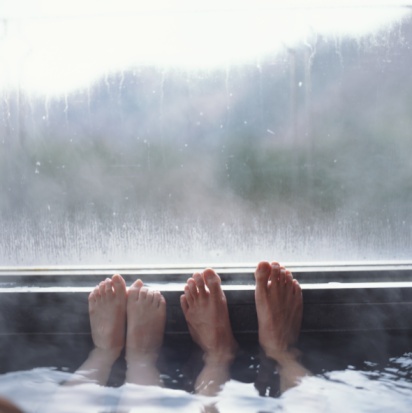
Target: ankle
{"x": 108, "y": 355}
{"x": 283, "y": 357}
{"x": 137, "y": 356}
{"x": 225, "y": 357}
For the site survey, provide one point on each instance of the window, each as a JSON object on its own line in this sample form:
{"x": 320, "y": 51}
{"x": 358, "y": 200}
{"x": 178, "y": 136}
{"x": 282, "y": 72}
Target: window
{"x": 227, "y": 132}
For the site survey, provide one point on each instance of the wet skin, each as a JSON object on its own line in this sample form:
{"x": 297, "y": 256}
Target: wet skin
{"x": 279, "y": 309}
{"x": 205, "y": 308}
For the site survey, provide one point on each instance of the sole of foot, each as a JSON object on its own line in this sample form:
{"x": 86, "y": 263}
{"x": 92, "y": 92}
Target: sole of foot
{"x": 279, "y": 308}
{"x": 107, "y": 311}
{"x": 146, "y": 319}
{"x": 205, "y": 308}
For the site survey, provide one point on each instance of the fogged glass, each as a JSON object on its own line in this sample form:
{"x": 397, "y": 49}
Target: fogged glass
{"x": 180, "y": 137}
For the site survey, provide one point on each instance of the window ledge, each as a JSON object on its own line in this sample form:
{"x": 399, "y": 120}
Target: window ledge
{"x": 338, "y": 297}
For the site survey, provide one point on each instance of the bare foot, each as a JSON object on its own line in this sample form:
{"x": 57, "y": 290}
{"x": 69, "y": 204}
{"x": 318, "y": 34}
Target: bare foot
{"x": 107, "y": 311}
{"x": 205, "y": 308}
{"x": 146, "y": 319}
{"x": 279, "y": 309}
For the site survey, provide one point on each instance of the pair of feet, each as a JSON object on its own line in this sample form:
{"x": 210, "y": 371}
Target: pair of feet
{"x": 111, "y": 304}
{"x": 278, "y": 304}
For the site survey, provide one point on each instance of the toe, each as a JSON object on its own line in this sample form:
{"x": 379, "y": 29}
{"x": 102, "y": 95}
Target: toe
{"x": 200, "y": 283}
{"x": 275, "y": 272}
{"x": 150, "y": 296}
{"x": 143, "y": 293}
{"x": 296, "y": 287}
{"x": 102, "y": 289}
{"x": 192, "y": 288}
{"x": 119, "y": 285}
{"x": 137, "y": 284}
{"x": 183, "y": 303}
{"x": 162, "y": 304}
{"x": 288, "y": 277}
{"x": 92, "y": 299}
{"x": 282, "y": 276}
{"x": 108, "y": 287}
{"x": 156, "y": 298}
{"x": 212, "y": 281}
{"x": 262, "y": 274}
{"x": 133, "y": 293}
{"x": 189, "y": 297}
{"x": 95, "y": 293}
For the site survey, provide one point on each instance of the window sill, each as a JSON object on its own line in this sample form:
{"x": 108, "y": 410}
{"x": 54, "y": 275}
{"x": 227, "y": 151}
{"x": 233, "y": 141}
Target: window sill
{"x": 337, "y": 297}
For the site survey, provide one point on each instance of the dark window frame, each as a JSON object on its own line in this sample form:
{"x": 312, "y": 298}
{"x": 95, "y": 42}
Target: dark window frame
{"x": 345, "y": 297}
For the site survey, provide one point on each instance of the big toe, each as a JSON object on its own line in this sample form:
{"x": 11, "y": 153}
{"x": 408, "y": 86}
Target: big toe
{"x": 119, "y": 285}
{"x": 133, "y": 293}
{"x": 262, "y": 274}
{"x": 212, "y": 281}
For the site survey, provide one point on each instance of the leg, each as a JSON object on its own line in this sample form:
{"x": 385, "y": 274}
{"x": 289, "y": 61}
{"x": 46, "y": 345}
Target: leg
{"x": 205, "y": 309}
{"x": 146, "y": 319}
{"x": 279, "y": 310}
{"x": 107, "y": 311}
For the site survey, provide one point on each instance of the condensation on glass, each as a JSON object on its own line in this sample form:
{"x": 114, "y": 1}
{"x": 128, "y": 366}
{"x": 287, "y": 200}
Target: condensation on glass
{"x": 205, "y": 136}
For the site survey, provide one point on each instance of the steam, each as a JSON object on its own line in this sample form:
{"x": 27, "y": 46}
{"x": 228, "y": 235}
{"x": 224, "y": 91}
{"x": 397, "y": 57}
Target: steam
{"x": 300, "y": 154}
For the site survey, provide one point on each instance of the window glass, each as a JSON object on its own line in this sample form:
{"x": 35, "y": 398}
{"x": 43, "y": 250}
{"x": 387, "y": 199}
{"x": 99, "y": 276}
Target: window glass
{"x": 204, "y": 134}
